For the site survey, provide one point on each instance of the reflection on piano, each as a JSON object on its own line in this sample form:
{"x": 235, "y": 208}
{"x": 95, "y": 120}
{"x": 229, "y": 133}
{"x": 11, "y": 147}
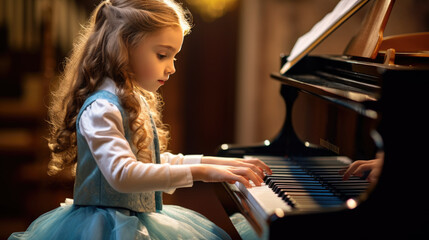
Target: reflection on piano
{"x": 340, "y": 109}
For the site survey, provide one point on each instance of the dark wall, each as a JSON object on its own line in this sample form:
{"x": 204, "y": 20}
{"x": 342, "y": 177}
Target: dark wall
{"x": 210, "y": 76}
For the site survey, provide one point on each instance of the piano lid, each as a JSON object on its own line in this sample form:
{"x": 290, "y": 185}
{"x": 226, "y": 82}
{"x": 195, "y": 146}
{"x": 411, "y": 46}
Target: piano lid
{"x": 343, "y": 11}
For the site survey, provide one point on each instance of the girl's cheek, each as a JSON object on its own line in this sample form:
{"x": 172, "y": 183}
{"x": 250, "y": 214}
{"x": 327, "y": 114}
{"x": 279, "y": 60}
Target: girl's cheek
{"x": 152, "y": 71}
{"x": 142, "y": 71}
{"x": 147, "y": 73}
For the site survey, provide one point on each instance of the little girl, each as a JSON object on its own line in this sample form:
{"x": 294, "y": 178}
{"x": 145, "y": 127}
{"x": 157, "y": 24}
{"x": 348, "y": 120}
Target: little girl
{"x": 106, "y": 124}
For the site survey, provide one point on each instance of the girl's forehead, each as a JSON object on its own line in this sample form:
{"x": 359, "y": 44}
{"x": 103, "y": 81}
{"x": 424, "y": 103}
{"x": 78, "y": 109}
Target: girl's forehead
{"x": 170, "y": 37}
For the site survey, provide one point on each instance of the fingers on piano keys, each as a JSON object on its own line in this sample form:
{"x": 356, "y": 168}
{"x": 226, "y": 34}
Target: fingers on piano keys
{"x": 307, "y": 185}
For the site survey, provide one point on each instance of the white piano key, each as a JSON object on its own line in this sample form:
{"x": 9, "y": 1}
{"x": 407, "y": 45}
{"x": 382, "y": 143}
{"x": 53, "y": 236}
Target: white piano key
{"x": 263, "y": 196}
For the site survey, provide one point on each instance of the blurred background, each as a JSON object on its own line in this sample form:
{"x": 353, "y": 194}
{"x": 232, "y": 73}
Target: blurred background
{"x": 221, "y": 92}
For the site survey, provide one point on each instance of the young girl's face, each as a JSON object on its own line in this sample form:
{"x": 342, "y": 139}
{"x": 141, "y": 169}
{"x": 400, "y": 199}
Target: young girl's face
{"x": 152, "y": 61}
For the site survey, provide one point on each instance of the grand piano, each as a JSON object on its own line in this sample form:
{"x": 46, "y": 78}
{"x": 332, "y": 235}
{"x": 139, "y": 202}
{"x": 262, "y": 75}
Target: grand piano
{"x": 339, "y": 109}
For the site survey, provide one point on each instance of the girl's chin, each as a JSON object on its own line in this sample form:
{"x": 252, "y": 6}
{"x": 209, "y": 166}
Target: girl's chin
{"x": 153, "y": 90}
{"x": 149, "y": 88}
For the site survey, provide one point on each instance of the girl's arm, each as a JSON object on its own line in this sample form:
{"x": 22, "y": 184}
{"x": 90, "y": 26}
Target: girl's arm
{"x": 219, "y": 169}
{"x": 255, "y": 164}
{"x": 259, "y": 167}
{"x": 176, "y": 159}
{"x": 101, "y": 126}
{"x": 223, "y": 173}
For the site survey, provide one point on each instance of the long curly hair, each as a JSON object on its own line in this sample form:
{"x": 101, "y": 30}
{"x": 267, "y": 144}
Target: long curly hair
{"x": 102, "y": 50}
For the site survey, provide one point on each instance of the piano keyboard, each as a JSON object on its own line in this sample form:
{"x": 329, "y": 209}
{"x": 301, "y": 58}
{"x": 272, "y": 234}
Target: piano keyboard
{"x": 304, "y": 184}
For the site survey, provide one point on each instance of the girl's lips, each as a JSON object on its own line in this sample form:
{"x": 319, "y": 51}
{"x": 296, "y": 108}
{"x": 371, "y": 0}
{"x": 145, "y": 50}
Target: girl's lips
{"x": 161, "y": 81}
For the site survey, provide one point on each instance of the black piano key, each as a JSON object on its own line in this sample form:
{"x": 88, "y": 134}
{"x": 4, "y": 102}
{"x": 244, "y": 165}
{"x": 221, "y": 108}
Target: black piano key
{"x": 322, "y": 168}
{"x": 292, "y": 175}
{"x": 349, "y": 182}
{"x": 333, "y": 172}
{"x": 319, "y": 198}
{"x": 301, "y": 204}
{"x": 281, "y": 191}
{"x": 333, "y": 176}
{"x": 276, "y": 161}
{"x": 350, "y": 195}
{"x": 303, "y": 186}
{"x": 297, "y": 190}
{"x": 329, "y": 202}
{"x": 285, "y": 192}
{"x": 284, "y": 166}
{"x": 289, "y": 166}
{"x": 327, "y": 178}
{"x": 299, "y": 186}
{"x": 313, "y": 206}
{"x": 313, "y": 194}
{"x": 350, "y": 187}
{"x": 271, "y": 182}
{"x": 289, "y": 172}
{"x": 279, "y": 176}
{"x": 350, "y": 192}
{"x": 294, "y": 183}
{"x": 314, "y": 202}
{"x": 306, "y": 184}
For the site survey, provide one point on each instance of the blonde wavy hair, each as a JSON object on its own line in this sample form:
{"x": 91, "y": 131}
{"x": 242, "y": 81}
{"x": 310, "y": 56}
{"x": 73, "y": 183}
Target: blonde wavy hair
{"x": 102, "y": 50}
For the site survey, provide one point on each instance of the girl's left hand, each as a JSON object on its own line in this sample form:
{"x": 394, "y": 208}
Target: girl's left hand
{"x": 254, "y": 164}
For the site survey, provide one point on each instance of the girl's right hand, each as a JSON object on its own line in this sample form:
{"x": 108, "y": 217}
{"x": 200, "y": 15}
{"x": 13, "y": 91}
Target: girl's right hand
{"x": 221, "y": 173}
{"x": 358, "y": 168}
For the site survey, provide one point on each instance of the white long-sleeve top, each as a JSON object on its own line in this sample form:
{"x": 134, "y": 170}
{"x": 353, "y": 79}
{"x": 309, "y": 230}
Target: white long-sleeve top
{"x": 101, "y": 126}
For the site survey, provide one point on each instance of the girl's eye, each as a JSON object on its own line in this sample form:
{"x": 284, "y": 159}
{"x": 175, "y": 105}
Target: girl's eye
{"x": 161, "y": 56}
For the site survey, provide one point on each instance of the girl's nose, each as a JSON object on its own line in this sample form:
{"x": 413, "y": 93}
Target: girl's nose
{"x": 170, "y": 70}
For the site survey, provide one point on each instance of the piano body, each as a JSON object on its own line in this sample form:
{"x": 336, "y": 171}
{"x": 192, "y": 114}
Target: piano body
{"x": 340, "y": 109}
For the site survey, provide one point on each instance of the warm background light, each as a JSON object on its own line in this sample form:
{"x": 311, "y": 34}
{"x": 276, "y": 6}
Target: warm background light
{"x": 212, "y": 9}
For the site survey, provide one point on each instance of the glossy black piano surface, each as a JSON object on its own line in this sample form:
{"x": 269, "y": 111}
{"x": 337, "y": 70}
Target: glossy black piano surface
{"x": 343, "y": 109}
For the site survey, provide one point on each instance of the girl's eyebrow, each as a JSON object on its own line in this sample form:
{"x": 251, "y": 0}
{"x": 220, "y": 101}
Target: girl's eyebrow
{"x": 167, "y": 47}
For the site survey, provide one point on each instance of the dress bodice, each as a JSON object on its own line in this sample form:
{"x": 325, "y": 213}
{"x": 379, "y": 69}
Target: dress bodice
{"x": 91, "y": 187}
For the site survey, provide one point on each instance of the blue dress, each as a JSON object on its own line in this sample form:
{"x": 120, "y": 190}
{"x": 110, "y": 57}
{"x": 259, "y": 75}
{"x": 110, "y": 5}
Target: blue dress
{"x": 99, "y": 212}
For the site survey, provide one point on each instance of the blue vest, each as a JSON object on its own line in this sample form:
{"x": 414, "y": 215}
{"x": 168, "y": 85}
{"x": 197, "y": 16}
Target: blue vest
{"x": 91, "y": 187}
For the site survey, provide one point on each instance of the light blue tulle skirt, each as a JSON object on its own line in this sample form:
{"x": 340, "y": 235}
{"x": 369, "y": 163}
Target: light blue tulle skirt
{"x": 89, "y": 222}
